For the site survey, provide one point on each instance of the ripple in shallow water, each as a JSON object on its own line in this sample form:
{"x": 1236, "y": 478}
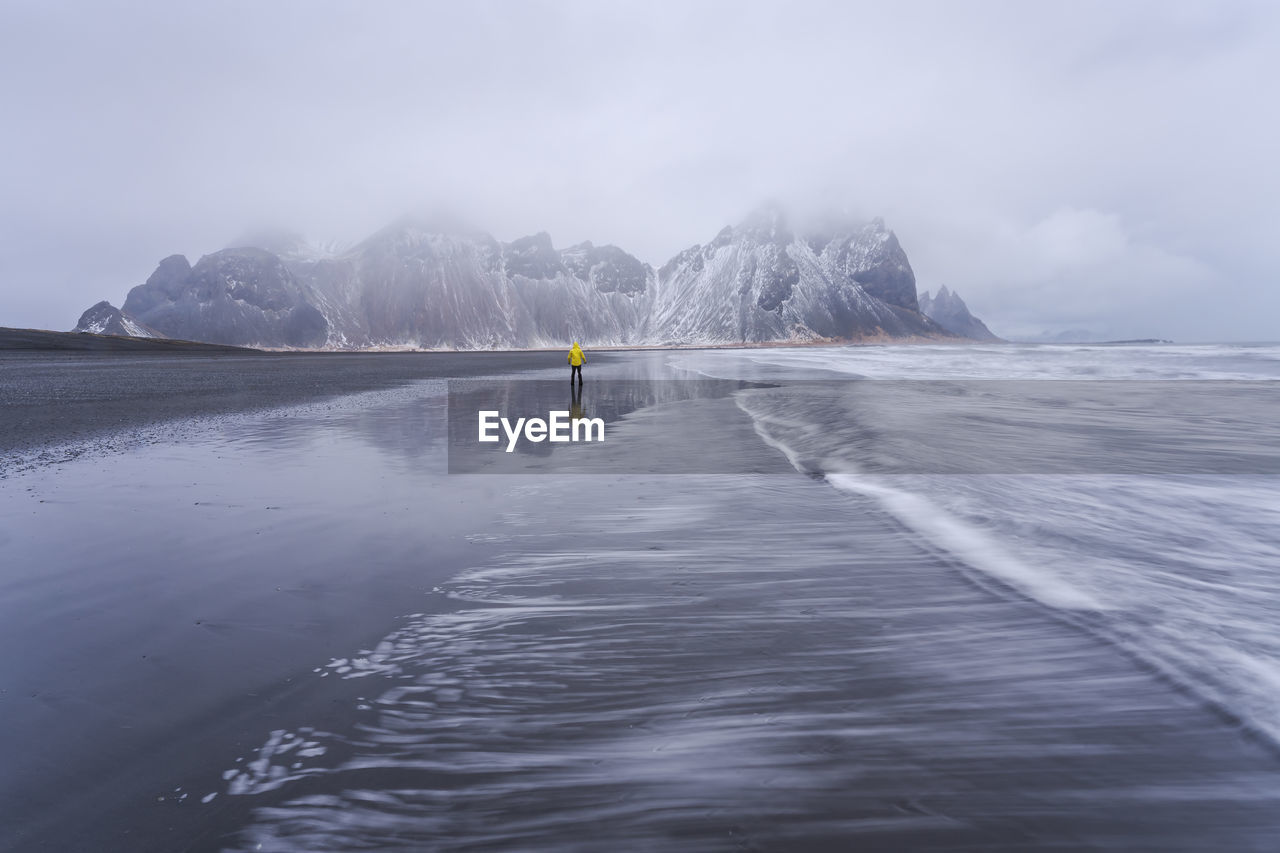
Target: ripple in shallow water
{"x": 760, "y": 664}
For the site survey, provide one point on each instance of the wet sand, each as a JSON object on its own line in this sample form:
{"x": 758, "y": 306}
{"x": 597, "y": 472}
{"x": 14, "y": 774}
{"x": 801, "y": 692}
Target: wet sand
{"x": 51, "y": 399}
{"x": 778, "y": 669}
{"x": 303, "y": 614}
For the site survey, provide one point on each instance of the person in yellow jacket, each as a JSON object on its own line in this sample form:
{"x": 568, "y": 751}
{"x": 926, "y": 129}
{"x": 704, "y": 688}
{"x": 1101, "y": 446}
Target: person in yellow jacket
{"x": 576, "y": 358}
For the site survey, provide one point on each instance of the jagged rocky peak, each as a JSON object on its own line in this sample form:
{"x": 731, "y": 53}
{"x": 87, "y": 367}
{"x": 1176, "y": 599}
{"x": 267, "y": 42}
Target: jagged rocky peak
{"x": 243, "y": 296}
{"x": 948, "y": 310}
{"x": 165, "y": 284}
{"x": 765, "y": 226}
{"x": 172, "y": 269}
{"x": 871, "y": 256}
{"x": 607, "y": 268}
{"x": 250, "y": 275}
{"x": 771, "y": 278}
{"x": 106, "y": 319}
{"x": 867, "y": 254}
{"x": 95, "y": 319}
{"x": 944, "y": 304}
{"x": 769, "y": 272}
{"x": 690, "y": 259}
{"x": 532, "y": 257}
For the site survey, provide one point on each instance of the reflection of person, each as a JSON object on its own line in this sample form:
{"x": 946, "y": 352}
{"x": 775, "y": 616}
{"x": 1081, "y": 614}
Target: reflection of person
{"x": 575, "y": 401}
{"x": 576, "y": 358}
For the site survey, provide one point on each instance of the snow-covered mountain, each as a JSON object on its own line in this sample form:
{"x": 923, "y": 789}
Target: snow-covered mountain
{"x": 419, "y": 284}
{"x": 948, "y": 310}
{"x": 762, "y": 282}
{"x": 105, "y": 319}
{"x": 411, "y": 285}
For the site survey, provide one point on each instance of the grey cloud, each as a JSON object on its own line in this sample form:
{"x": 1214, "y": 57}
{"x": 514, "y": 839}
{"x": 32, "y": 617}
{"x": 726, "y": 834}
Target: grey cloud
{"x": 1057, "y": 164}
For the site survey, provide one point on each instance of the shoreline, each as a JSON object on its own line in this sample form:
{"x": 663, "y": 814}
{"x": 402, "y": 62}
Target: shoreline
{"x": 49, "y": 341}
{"x": 58, "y": 401}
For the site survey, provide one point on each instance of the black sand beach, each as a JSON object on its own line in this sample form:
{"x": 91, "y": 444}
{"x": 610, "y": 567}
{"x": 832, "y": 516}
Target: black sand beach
{"x": 242, "y": 611}
{"x": 50, "y": 398}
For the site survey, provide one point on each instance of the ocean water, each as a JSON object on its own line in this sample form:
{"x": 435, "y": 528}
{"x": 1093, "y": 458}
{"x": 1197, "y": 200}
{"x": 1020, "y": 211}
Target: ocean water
{"x": 1173, "y": 562}
{"x": 1011, "y": 607}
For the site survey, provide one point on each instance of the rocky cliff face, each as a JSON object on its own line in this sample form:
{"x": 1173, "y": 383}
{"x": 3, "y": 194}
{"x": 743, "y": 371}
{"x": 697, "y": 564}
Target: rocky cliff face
{"x": 411, "y": 286}
{"x": 106, "y": 319}
{"x": 243, "y": 297}
{"x": 948, "y": 310}
{"x": 420, "y": 285}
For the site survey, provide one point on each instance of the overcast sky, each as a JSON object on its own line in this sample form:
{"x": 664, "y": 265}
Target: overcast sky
{"x": 1106, "y": 166}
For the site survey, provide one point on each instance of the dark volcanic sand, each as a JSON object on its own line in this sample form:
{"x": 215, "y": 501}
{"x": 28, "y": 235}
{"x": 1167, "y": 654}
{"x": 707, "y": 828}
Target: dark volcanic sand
{"x": 48, "y": 398}
{"x": 82, "y": 342}
{"x": 613, "y": 661}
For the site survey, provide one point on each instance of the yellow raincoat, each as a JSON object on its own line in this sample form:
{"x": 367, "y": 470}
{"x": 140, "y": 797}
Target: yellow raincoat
{"x": 576, "y": 355}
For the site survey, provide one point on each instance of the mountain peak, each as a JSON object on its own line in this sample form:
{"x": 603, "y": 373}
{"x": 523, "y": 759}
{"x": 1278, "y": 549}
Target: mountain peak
{"x": 106, "y": 319}
{"x": 948, "y": 310}
{"x": 240, "y": 296}
{"x": 607, "y": 268}
{"x": 533, "y": 257}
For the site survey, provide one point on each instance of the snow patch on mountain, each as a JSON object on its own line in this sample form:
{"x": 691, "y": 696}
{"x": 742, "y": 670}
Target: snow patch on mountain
{"x": 105, "y": 319}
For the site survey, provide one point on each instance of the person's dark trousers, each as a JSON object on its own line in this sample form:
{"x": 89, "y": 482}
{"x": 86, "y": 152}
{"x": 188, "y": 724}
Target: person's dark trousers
{"x": 575, "y": 370}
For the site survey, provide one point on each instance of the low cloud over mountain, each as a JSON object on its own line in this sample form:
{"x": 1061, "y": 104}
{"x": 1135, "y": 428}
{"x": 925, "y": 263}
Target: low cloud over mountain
{"x": 415, "y": 284}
